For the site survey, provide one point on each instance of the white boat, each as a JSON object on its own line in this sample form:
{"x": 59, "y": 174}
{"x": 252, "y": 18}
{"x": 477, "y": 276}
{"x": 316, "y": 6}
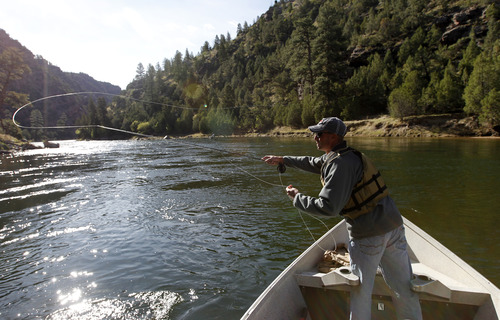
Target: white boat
{"x": 448, "y": 287}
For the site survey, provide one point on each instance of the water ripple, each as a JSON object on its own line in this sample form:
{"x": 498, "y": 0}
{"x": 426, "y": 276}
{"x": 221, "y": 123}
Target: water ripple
{"x": 141, "y": 305}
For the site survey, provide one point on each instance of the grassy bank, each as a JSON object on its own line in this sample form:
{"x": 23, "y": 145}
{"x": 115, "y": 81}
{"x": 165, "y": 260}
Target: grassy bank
{"x": 447, "y": 125}
{"x": 9, "y": 143}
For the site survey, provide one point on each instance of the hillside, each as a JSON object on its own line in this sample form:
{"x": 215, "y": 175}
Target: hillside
{"x": 304, "y": 60}
{"x": 46, "y": 79}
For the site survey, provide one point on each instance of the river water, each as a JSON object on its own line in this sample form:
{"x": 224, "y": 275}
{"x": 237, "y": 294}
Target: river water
{"x": 165, "y": 229}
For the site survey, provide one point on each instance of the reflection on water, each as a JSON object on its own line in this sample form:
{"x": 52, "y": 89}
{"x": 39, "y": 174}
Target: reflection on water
{"x": 143, "y": 305}
{"x": 165, "y": 230}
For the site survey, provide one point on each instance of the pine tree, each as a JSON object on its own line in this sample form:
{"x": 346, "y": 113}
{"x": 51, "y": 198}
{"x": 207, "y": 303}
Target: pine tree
{"x": 301, "y": 58}
{"x": 465, "y": 66}
{"x": 365, "y": 91}
{"x": 140, "y": 71}
{"x": 329, "y": 46}
{"x": 449, "y": 91}
{"x": 490, "y": 111}
{"x": 36, "y": 120}
{"x": 403, "y": 101}
{"x": 428, "y": 100}
{"x": 484, "y": 78}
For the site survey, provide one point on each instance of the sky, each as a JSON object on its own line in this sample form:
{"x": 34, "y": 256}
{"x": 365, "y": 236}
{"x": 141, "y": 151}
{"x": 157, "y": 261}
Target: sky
{"x": 107, "y": 39}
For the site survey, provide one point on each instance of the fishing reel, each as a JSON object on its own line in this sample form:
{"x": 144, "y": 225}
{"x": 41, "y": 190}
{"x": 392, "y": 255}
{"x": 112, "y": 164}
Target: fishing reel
{"x": 281, "y": 168}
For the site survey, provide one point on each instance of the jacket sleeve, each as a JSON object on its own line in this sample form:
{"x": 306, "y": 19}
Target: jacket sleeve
{"x": 310, "y": 164}
{"x": 340, "y": 178}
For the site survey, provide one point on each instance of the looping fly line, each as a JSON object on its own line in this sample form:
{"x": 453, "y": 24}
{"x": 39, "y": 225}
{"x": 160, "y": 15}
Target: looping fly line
{"x": 131, "y": 132}
{"x": 99, "y": 126}
{"x": 80, "y": 126}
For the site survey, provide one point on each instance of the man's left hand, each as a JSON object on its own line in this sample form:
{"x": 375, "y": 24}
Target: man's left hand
{"x": 291, "y": 191}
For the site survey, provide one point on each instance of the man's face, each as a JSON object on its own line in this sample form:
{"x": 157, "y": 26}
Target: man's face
{"x": 325, "y": 141}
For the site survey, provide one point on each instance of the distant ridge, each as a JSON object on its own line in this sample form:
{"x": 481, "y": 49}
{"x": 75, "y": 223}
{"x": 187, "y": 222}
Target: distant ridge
{"x": 47, "y": 79}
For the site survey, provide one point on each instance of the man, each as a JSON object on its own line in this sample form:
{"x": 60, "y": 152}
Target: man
{"x": 354, "y": 189}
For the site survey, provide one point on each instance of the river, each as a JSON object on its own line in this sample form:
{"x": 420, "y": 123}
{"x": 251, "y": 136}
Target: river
{"x": 164, "y": 229}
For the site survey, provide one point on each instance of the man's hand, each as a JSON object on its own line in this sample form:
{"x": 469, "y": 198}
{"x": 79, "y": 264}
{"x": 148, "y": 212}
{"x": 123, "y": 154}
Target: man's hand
{"x": 273, "y": 160}
{"x": 291, "y": 191}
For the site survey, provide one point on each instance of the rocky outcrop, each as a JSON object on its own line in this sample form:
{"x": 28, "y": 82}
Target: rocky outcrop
{"x": 453, "y": 35}
{"x": 461, "y": 23}
{"x": 455, "y": 26}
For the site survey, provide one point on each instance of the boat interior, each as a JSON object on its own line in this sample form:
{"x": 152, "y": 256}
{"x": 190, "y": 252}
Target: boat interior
{"x": 442, "y": 297}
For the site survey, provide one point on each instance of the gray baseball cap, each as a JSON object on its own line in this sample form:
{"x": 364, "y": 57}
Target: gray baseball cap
{"x": 332, "y": 125}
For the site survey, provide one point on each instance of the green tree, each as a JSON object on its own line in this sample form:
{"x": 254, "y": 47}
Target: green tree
{"x": 88, "y": 123}
{"x": 282, "y": 30}
{"x": 309, "y": 107}
{"x": 411, "y": 45}
{"x": 490, "y": 112}
{"x": 388, "y": 72}
{"x": 428, "y": 100}
{"x": 220, "y": 122}
{"x": 179, "y": 68}
{"x": 101, "y": 112}
{"x": 140, "y": 71}
{"x": 365, "y": 92}
{"x": 466, "y": 65}
{"x": 403, "y": 101}
{"x": 151, "y": 91}
{"x": 449, "y": 91}
{"x": 63, "y": 120}
{"x": 484, "y": 78}
{"x": 184, "y": 123}
{"x": 493, "y": 17}
{"x": 413, "y": 14}
{"x": 296, "y": 63}
{"x": 329, "y": 47}
{"x": 36, "y": 120}
{"x": 144, "y": 127}
{"x": 293, "y": 112}
{"x": 227, "y": 99}
{"x": 301, "y": 58}
{"x": 371, "y": 22}
{"x": 12, "y": 67}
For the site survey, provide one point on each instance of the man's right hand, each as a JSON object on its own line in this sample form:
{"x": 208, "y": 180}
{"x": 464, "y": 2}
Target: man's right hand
{"x": 273, "y": 160}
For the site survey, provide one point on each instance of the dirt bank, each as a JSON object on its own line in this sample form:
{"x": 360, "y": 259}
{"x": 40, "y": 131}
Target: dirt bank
{"x": 449, "y": 125}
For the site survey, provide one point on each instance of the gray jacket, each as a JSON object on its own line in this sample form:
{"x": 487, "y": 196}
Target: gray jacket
{"x": 340, "y": 176}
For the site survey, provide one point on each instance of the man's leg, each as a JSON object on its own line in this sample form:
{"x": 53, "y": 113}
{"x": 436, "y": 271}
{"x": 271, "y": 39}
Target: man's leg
{"x": 365, "y": 257}
{"x": 396, "y": 268}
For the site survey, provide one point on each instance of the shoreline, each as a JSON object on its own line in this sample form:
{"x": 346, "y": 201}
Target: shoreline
{"x": 429, "y": 126}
